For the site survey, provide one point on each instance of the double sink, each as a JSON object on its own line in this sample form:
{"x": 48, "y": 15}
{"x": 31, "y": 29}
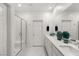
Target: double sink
{"x": 71, "y": 49}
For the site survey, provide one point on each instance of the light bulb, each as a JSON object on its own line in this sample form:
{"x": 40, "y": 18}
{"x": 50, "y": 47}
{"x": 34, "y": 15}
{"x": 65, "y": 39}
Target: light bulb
{"x": 50, "y": 7}
{"x": 19, "y": 5}
{"x": 59, "y": 7}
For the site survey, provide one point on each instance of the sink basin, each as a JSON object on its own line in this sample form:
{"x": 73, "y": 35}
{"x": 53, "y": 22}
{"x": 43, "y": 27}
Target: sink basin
{"x": 64, "y": 46}
{"x": 71, "y": 50}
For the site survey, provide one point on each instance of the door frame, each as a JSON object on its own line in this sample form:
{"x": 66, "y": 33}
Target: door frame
{"x": 41, "y": 27}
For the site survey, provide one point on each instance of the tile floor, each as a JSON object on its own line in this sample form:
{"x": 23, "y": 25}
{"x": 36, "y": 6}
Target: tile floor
{"x": 33, "y": 51}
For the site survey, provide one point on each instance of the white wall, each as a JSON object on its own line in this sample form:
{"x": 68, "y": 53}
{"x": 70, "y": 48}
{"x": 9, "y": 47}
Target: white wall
{"x": 3, "y": 29}
{"x": 12, "y": 30}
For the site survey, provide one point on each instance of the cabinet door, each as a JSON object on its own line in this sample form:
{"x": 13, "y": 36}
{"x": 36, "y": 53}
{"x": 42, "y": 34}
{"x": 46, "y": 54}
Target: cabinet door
{"x": 55, "y": 51}
{"x": 51, "y": 49}
{"x": 48, "y": 47}
{"x": 37, "y": 33}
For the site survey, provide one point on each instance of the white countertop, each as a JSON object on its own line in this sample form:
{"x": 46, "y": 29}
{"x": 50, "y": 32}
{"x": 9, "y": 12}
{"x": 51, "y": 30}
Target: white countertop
{"x": 65, "y": 51}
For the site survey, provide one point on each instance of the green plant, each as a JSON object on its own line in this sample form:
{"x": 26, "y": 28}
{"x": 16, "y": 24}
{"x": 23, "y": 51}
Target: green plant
{"x": 59, "y": 35}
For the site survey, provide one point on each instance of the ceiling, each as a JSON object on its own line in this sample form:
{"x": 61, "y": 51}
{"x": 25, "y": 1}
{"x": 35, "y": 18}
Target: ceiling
{"x": 28, "y": 7}
{"x": 32, "y": 7}
{"x": 73, "y": 7}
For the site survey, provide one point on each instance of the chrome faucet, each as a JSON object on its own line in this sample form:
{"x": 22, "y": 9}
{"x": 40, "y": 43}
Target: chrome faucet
{"x": 77, "y": 43}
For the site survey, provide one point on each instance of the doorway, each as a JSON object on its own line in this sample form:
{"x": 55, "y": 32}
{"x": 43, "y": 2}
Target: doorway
{"x": 37, "y": 33}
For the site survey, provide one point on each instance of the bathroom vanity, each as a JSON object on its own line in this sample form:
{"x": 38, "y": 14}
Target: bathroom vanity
{"x": 55, "y": 47}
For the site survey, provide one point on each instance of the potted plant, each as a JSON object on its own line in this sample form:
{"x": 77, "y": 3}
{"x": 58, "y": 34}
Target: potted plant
{"x": 66, "y": 36}
{"x": 59, "y": 35}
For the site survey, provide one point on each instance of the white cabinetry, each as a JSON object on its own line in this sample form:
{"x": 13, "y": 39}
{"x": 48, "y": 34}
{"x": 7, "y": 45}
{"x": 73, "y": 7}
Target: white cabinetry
{"x": 51, "y": 49}
{"x": 48, "y": 46}
{"x": 55, "y": 51}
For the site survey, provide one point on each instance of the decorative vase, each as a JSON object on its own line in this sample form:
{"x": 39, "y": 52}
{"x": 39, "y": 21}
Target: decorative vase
{"x": 66, "y": 36}
{"x": 59, "y": 35}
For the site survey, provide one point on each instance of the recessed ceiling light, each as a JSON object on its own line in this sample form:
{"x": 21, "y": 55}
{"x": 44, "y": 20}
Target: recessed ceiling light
{"x": 19, "y": 5}
{"x": 50, "y": 7}
{"x": 59, "y": 7}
